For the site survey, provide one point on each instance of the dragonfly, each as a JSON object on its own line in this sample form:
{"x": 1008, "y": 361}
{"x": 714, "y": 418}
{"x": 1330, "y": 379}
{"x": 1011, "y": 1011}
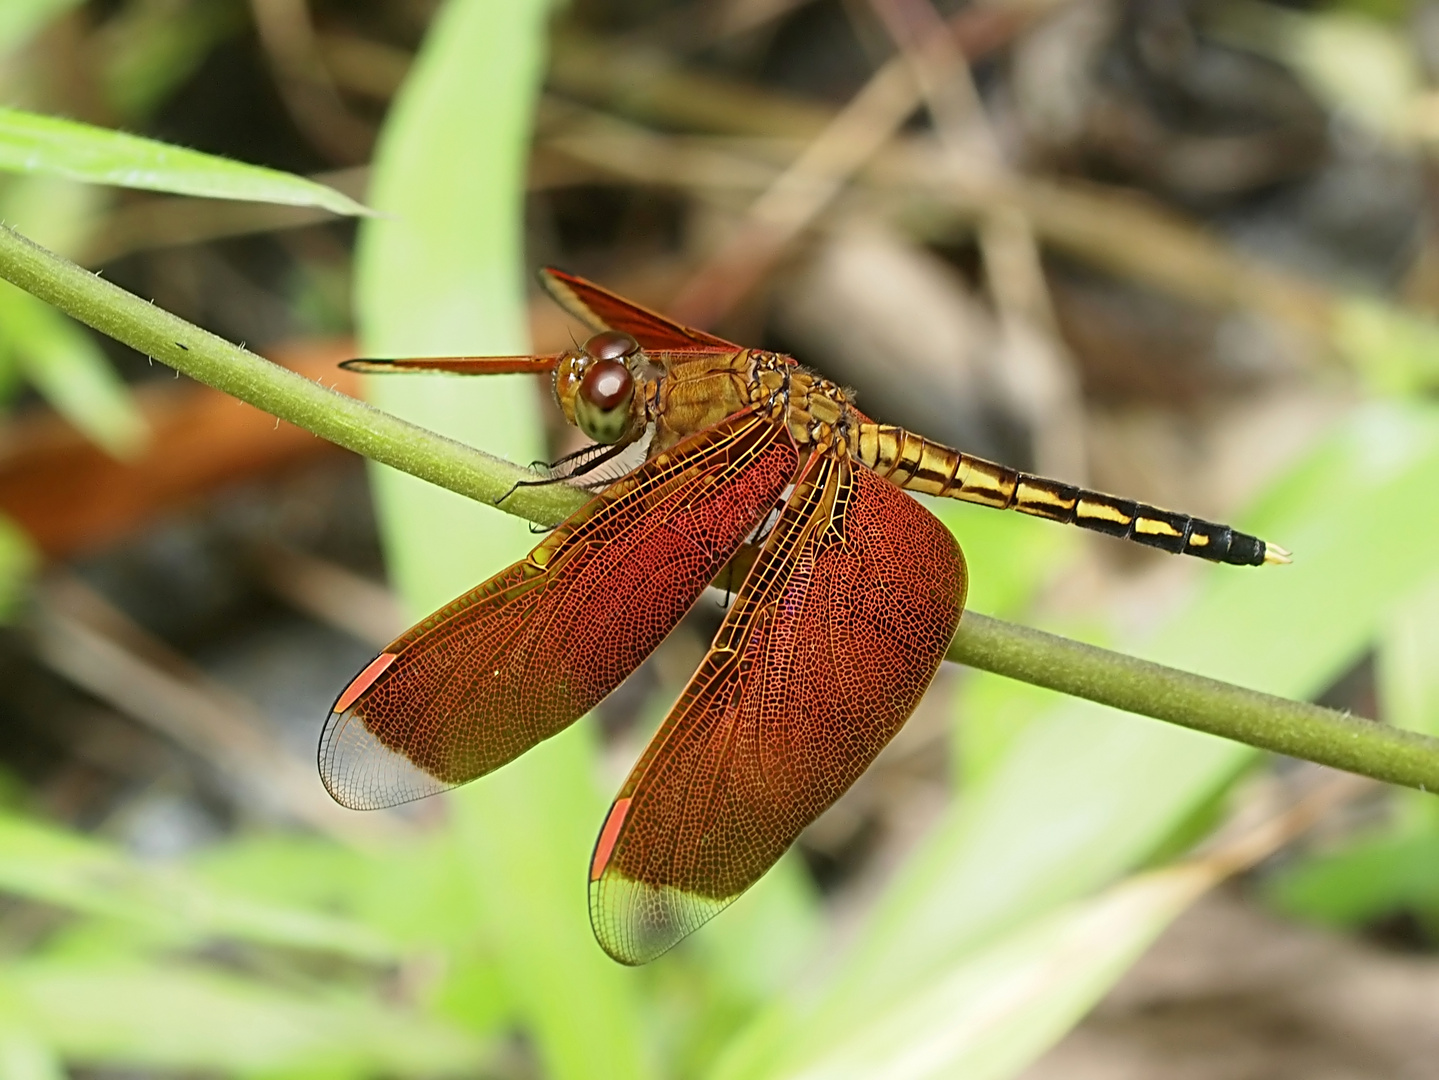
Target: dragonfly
{"x": 754, "y": 470}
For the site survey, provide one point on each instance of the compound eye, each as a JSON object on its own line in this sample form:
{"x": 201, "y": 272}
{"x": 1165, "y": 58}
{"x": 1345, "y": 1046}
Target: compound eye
{"x": 611, "y": 345}
{"x": 602, "y": 406}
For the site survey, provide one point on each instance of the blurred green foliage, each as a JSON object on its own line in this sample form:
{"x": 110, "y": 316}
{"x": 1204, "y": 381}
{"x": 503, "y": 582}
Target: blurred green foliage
{"x": 53, "y": 146}
{"x": 55, "y": 197}
{"x": 1392, "y": 871}
{"x": 22, "y": 19}
{"x": 153, "y": 47}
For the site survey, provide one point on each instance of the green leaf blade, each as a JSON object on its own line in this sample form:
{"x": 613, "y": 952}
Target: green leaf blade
{"x": 987, "y": 1017}
{"x": 34, "y": 143}
{"x": 67, "y": 367}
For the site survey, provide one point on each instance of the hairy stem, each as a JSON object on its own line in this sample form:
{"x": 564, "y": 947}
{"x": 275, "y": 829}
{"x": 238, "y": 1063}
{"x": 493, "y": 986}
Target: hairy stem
{"x": 216, "y": 362}
{"x": 1261, "y": 720}
{"x": 1296, "y": 728}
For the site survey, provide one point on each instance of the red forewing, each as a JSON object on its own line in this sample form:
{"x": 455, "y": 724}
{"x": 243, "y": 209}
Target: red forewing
{"x": 600, "y": 309}
{"x": 829, "y": 645}
{"x": 535, "y": 647}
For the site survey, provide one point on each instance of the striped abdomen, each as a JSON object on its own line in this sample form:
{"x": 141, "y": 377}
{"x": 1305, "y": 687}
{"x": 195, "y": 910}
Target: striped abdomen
{"x": 916, "y": 464}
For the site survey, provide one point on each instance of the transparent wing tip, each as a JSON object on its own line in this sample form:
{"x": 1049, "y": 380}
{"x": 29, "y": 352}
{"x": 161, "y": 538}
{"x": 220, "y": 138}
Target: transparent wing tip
{"x": 362, "y": 773}
{"x": 635, "y": 922}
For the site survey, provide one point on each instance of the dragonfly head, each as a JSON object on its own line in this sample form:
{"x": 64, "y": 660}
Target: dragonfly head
{"x": 596, "y": 389}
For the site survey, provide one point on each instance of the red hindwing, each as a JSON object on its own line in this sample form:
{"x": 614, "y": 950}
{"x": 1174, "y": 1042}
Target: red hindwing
{"x": 829, "y": 645}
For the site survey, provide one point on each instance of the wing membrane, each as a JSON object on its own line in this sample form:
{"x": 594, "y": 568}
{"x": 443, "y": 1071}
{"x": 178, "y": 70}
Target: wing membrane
{"x": 834, "y": 637}
{"x": 600, "y": 309}
{"x": 531, "y": 650}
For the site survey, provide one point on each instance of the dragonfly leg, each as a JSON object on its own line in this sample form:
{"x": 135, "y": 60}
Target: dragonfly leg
{"x": 563, "y": 474}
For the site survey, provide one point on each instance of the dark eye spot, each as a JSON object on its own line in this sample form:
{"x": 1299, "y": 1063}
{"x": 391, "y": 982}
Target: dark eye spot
{"x": 602, "y": 404}
{"x": 611, "y": 345}
{"x": 607, "y": 384}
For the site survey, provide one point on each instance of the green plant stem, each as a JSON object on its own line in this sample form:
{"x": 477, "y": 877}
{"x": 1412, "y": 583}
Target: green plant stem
{"x": 212, "y": 360}
{"x": 1271, "y": 723}
{"x": 1296, "y": 728}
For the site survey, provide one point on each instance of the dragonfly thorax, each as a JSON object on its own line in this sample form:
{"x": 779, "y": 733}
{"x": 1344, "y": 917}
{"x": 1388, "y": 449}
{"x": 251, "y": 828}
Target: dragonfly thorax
{"x": 816, "y": 411}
